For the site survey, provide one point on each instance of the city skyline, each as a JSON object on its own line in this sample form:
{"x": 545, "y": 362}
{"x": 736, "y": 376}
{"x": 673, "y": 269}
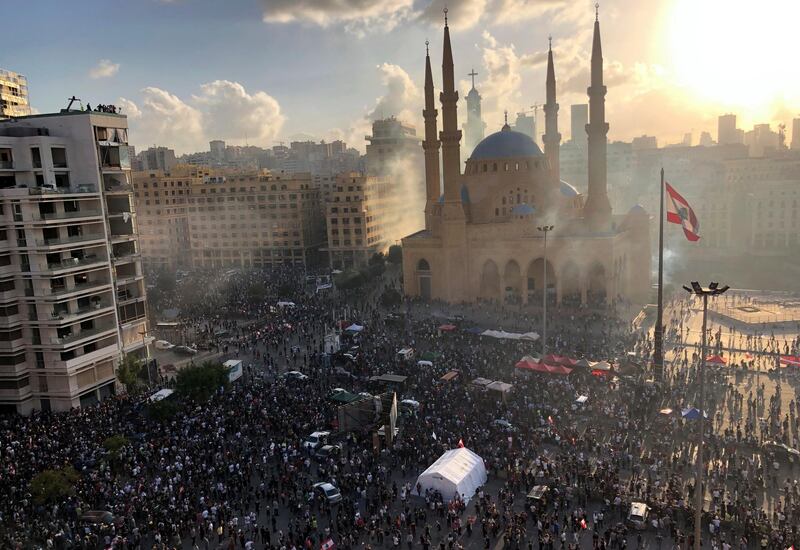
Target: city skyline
{"x": 351, "y": 62}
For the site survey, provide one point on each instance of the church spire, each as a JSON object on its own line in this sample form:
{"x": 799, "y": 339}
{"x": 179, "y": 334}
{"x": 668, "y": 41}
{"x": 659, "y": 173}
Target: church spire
{"x": 551, "y": 137}
{"x": 450, "y": 135}
{"x": 431, "y": 144}
{"x": 598, "y": 208}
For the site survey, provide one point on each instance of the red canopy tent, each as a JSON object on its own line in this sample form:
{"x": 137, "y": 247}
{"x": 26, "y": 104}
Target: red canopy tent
{"x": 542, "y": 367}
{"x": 716, "y": 360}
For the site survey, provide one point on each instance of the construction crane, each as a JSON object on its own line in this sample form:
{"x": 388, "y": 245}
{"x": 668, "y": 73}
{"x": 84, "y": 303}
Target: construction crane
{"x": 533, "y": 109}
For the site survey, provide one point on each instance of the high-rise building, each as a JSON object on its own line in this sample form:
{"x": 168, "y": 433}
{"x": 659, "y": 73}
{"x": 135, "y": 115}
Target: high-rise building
{"x": 705, "y": 140}
{"x": 391, "y": 142}
{"x": 644, "y": 142}
{"x": 761, "y": 139}
{"x": 158, "y": 158}
{"x": 366, "y": 215}
{"x": 13, "y": 95}
{"x": 71, "y": 284}
{"x": 579, "y": 118}
{"x": 255, "y": 220}
{"x": 161, "y": 200}
{"x": 526, "y": 124}
{"x": 796, "y": 134}
{"x": 475, "y": 126}
{"x": 217, "y": 148}
{"x": 727, "y": 133}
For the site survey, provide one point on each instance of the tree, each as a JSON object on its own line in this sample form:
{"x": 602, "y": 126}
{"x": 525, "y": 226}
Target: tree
{"x": 53, "y": 485}
{"x": 129, "y": 370}
{"x": 114, "y": 445}
{"x": 199, "y": 382}
{"x": 395, "y": 255}
{"x": 162, "y": 411}
{"x": 377, "y": 259}
{"x": 349, "y": 280}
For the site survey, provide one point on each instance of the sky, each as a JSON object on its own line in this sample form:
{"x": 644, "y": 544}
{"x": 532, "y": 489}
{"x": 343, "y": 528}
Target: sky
{"x": 268, "y": 71}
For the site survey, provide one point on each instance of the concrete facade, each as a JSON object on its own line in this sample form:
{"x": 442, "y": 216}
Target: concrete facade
{"x": 73, "y": 296}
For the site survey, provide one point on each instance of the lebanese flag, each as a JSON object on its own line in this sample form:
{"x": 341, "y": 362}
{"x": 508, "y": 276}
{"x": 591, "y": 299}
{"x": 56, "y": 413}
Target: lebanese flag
{"x": 790, "y": 360}
{"x": 460, "y": 443}
{"x": 327, "y": 544}
{"x": 679, "y": 212}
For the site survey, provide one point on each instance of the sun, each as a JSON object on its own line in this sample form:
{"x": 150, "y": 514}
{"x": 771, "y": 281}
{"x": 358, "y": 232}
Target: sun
{"x": 736, "y": 53}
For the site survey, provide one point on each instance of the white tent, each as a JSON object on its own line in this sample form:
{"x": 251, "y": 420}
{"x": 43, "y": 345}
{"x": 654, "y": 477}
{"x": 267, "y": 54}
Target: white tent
{"x": 503, "y": 335}
{"x": 457, "y": 471}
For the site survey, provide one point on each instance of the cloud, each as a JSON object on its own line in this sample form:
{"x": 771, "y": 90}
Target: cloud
{"x": 401, "y": 99}
{"x": 362, "y": 17}
{"x": 501, "y": 85}
{"x": 221, "y": 110}
{"x": 358, "y": 16}
{"x": 104, "y": 69}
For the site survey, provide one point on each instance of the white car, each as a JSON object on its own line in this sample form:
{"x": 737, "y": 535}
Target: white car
{"x": 295, "y": 375}
{"x": 163, "y": 344}
{"x": 315, "y": 440}
{"x": 330, "y": 491}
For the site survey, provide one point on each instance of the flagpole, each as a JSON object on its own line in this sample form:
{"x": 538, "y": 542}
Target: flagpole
{"x": 658, "y": 333}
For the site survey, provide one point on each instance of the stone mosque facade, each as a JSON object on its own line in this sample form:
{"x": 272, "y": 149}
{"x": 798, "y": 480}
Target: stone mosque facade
{"x": 482, "y": 238}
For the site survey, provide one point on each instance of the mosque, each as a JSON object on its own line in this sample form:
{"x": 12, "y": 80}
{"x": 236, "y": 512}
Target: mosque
{"x": 496, "y": 227}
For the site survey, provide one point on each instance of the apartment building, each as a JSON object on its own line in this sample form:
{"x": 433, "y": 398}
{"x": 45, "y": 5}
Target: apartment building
{"x": 255, "y": 220}
{"x": 13, "y": 94}
{"x": 72, "y": 292}
{"x": 161, "y": 200}
{"x": 366, "y": 215}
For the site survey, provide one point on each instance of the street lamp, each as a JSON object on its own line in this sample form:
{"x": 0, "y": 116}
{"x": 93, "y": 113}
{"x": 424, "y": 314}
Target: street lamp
{"x": 544, "y": 229}
{"x": 712, "y": 290}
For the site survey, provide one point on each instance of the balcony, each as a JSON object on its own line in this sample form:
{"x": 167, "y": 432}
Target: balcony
{"x": 82, "y": 335}
{"x": 68, "y": 240}
{"x": 74, "y": 189}
{"x": 61, "y": 216}
{"x": 6, "y": 164}
{"x": 58, "y": 293}
{"x": 124, "y": 188}
{"x": 101, "y": 307}
{"x": 75, "y": 262}
{"x": 96, "y": 355}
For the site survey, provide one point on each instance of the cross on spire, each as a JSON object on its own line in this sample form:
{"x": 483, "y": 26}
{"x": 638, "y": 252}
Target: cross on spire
{"x": 427, "y": 52}
{"x": 596, "y": 11}
{"x": 445, "y": 14}
{"x": 473, "y": 74}
{"x": 505, "y": 113}
{"x": 550, "y": 41}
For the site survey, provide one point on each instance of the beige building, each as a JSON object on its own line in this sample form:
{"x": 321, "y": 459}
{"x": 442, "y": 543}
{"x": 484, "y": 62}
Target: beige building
{"x": 71, "y": 285}
{"x": 255, "y": 220}
{"x": 162, "y": 201}
{"x": 391, "y": 142}
{"x": 482, "y": 239}
{"x": 13, "y": 94}
{"x": 365, "y": 215}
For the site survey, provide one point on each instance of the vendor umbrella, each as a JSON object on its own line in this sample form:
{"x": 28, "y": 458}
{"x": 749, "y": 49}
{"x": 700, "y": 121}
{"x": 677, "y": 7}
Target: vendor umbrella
{"x": 692, "y": 414}
{"x": 715, "y": 360}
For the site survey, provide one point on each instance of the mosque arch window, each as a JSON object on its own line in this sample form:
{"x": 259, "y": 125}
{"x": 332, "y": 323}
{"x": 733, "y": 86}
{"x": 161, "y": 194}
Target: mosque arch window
{"x": 516, "y": 167}
{"x": 527, "y": 165}
{"x": 485, "y": 167}
{"x": 504, "y": 201}
{"x": 496, "y": 211}
{"x": 494, "y": 167}
{"x": 505, "y": 167}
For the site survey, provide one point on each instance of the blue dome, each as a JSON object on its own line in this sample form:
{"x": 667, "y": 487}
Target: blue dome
{"x": 504, "y": 144}
{"x": 568, "y": 190}
{"x": 522, "y": 210}
{"x": 637, "y": 209}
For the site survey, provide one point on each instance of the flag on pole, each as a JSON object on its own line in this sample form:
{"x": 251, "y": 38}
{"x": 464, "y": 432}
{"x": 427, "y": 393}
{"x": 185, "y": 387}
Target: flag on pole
{"x": 679, "y": 212}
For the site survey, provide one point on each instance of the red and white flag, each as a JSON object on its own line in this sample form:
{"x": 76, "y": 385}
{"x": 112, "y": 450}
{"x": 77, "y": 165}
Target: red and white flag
{"x": 460, "y": 443}
{"x": 679, "y": 212}
{"x": 327, "y": 544}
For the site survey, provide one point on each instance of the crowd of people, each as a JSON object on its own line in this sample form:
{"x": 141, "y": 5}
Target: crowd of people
{"x": 234, "y": 472}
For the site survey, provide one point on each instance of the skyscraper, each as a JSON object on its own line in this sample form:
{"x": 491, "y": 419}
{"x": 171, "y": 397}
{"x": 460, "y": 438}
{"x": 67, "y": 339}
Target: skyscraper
{"x": 13, "y": 95}
{"x": 72, "y": 287}
{"x": 727, "y": 133}
{"x": 475, "y": 126}
{"x": 579, "y": 118}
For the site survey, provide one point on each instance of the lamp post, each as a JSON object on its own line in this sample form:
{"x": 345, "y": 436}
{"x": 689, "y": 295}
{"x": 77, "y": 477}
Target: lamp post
{"x": 713, "y": 289}
{"x": 544, "y": 229}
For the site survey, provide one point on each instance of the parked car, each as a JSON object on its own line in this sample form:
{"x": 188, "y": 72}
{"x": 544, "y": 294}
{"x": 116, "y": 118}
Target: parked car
{"x": 295, "y": 375}
{"x": 637, "y": 517}
{"x": 185, "y": 350}
{"x": 315, "y": 440}
{"x": 327, "y": 451}
{"x": 329, "y": 491}
{"x": 163, "y": 344}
